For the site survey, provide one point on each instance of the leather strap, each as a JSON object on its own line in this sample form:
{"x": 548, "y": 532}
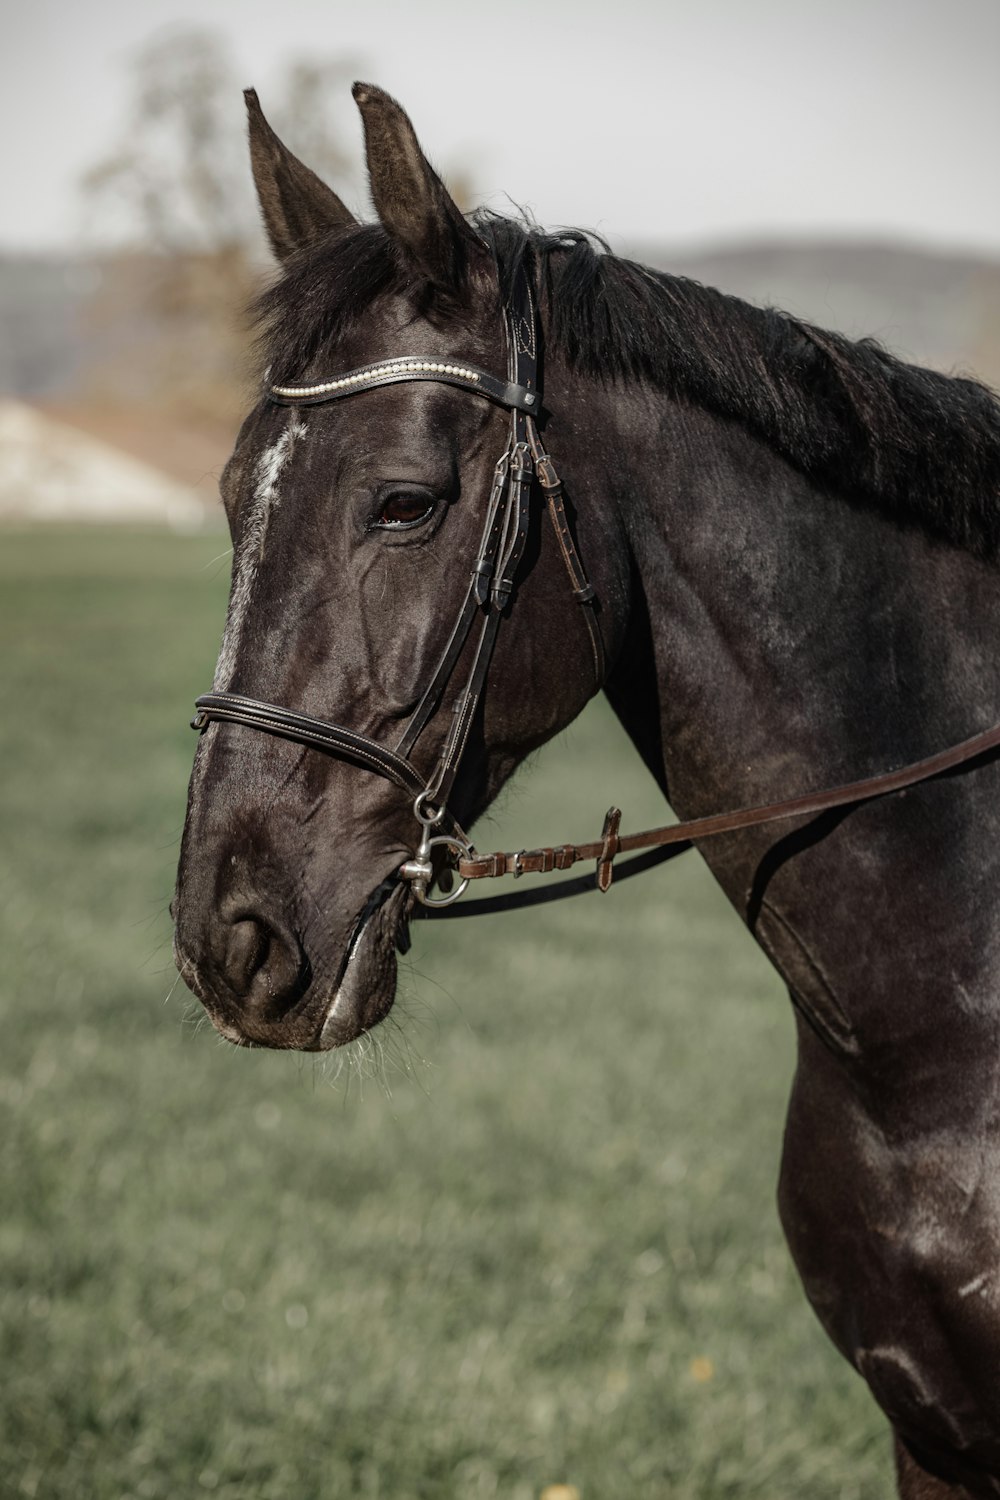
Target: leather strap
{"x": 505, "y": 533}
{"x": 519, "y": 898}
{"x": 583, "y": 591}
{"x": 516, "y": 397}
{"x": 476, "y": 598}
{"x": 234, "y": 708}
{"x": 604, "y": 849}
{"x": 463, "y": 715}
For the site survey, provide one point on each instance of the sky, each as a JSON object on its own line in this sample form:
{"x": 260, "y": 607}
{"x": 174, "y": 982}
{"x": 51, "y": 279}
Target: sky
{"x": 650, "y": 120}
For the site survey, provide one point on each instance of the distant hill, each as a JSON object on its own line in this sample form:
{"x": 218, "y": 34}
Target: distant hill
{"x": 939, "y": 309}
{"x": 51, "y": 471}
{"x": 930, "y": 308}
{"x": 43, "y": 346}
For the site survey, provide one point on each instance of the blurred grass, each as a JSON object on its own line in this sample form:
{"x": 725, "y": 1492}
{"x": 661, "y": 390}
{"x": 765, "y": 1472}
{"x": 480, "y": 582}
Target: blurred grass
{"x": 527, "y": 1237}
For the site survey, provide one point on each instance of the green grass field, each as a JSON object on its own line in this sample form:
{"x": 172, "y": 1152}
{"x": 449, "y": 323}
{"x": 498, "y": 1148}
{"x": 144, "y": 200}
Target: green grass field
{"x": 526, "y": 1237}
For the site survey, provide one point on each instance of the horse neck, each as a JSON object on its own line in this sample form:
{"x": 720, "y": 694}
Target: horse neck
{"x": 782, "y": 639}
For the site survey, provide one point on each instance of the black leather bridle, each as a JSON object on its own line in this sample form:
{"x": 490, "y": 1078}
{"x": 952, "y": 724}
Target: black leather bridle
{"x": 501, "y": 548}
{"x": 487, "y": 598}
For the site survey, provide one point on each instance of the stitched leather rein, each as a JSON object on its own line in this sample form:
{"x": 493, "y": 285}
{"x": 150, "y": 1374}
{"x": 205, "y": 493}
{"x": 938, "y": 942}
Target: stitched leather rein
{"x": 505, "y": 531}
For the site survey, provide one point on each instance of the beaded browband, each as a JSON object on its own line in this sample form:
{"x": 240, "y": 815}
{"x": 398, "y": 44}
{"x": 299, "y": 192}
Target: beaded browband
{"x": 409, "y": 368}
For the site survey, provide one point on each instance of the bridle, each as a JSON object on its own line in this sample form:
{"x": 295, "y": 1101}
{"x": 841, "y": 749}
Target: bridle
{"x": 487, "y": 601}
{"x": 505, "y": 532}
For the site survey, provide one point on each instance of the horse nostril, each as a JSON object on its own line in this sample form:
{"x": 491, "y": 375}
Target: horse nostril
{"x": 265, "y": 967}
{"x": 246, "y": 950}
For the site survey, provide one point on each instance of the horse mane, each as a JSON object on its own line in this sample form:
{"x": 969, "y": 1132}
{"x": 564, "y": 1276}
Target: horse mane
{"x": 920, "y": 445}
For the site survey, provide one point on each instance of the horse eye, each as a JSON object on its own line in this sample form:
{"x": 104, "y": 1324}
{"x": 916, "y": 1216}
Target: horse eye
{"x": 403, "y": 510}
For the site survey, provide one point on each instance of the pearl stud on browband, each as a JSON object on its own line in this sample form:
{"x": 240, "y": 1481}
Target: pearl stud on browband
{"x": 375, "y": 373}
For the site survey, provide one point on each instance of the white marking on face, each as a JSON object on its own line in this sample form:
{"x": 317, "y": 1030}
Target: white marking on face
{"x": 975, "y": 1285}
{"x": 266, "y": 498}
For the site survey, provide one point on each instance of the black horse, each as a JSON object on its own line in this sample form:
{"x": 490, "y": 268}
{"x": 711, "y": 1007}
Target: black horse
{"x": 792, "y": 541}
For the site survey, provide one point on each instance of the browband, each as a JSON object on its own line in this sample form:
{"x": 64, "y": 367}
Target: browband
{"x": 408, "y": 368}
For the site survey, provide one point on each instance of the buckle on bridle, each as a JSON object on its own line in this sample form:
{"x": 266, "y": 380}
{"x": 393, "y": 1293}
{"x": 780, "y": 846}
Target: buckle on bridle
{"x": 522, "y": 465}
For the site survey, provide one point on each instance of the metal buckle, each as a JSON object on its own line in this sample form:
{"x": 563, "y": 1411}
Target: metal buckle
{"x": 521, "y": 463}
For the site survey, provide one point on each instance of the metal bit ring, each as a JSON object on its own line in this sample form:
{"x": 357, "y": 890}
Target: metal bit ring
{"x": 427, "y": 816}
{"x": 420, "y": 883}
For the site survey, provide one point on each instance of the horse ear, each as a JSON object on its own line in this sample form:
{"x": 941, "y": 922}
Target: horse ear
{"x": 296, "y": 206}
{"x": 411, "y": 200}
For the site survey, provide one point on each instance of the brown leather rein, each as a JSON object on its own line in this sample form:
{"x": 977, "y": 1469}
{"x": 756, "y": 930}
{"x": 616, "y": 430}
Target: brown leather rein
{"x": 488, "y": 595}
{"x": 611, "y": 843}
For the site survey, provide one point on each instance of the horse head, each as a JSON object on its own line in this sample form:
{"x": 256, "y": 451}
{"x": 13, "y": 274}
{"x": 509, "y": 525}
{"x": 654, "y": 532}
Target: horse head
{"x": 378, "y": 548}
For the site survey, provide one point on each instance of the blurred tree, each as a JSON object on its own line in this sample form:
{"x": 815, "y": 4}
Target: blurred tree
{"x": 167, "y": 319}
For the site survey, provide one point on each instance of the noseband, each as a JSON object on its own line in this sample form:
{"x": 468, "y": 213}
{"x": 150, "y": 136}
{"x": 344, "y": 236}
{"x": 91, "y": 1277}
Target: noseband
{"x": 488, "y": 595}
